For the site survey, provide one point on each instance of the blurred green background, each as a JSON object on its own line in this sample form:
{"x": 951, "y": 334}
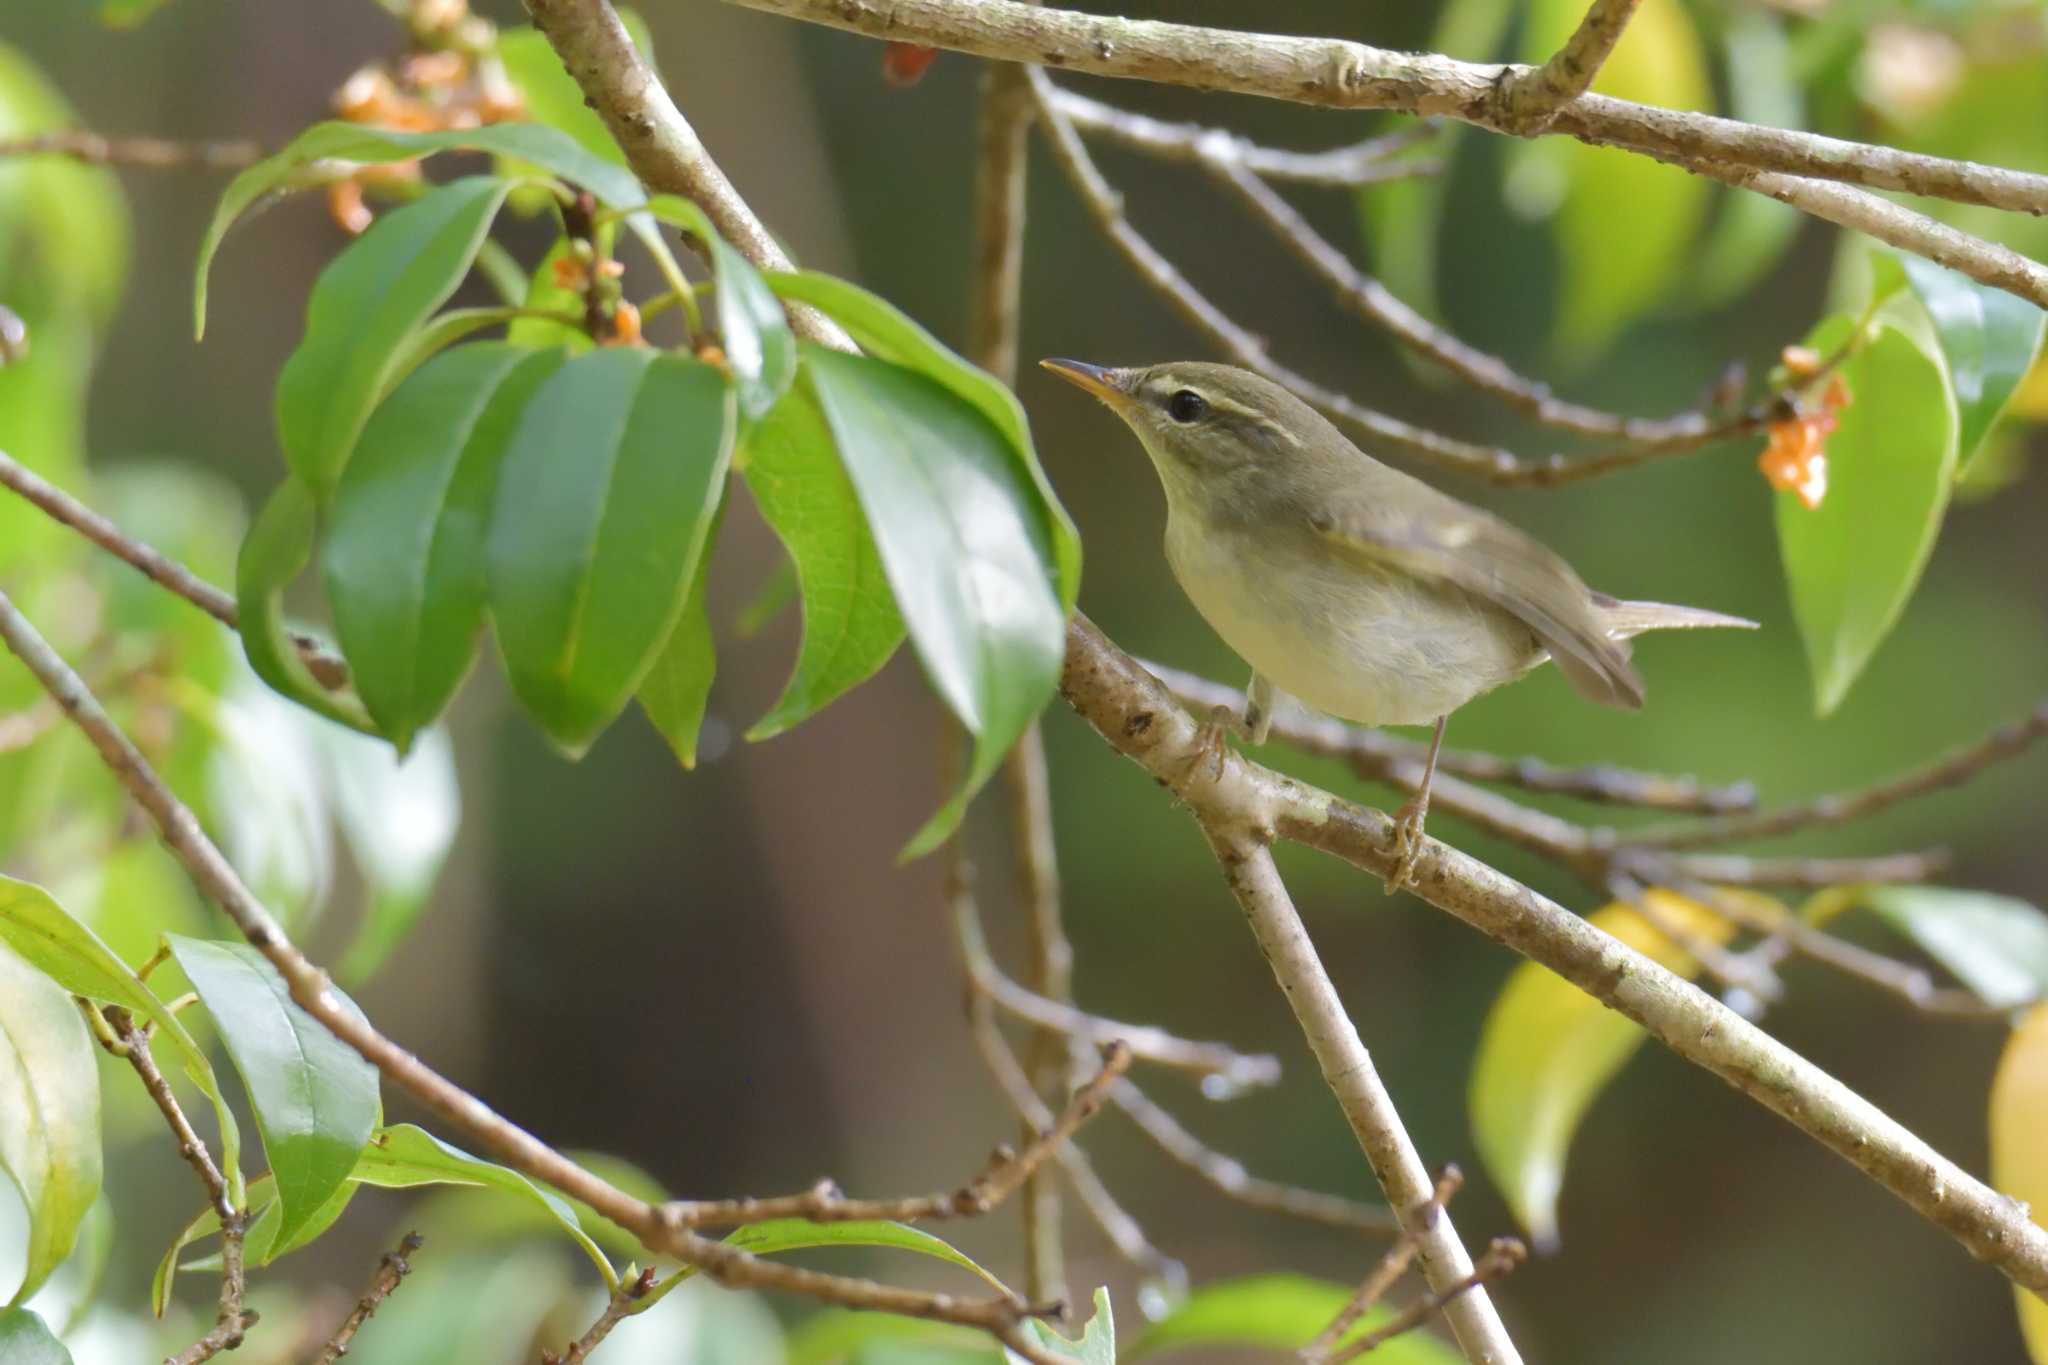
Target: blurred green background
{"x": 722, "y": 976}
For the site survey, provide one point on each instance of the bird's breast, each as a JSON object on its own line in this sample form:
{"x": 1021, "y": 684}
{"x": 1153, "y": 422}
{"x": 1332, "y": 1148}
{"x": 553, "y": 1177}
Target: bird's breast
{"x": 1375, "y": 648}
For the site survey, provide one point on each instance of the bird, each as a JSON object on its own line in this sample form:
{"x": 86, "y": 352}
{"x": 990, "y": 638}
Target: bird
{"x": 1355, "y": 588}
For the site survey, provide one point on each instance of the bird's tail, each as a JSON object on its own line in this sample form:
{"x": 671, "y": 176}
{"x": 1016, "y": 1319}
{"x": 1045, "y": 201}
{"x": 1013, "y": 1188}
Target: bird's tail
{"x": 1626, "y": 619}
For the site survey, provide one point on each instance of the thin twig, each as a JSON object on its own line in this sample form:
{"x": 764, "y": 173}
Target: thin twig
{"x": 1391, "y": 1268}
{"x": 1730, "y": 969}
{"x": 152, "y": 153}
{"x": 1499, "y": 1259}
{"x": 1529, "y": 100}
{"x": 1247, "y": 865}
{"x": 131, "y": 1043}
{"x": 622, "y": 1304}
{"x": 1233, "y": 1069}
{"x": 1006, "y": 1170}
{"x": 1228, "y": 1176}
{"x": 1379, "y": 306}
{"x": 1838, "y": 808}
{"x": 1369, "y": 162}
{"x": 1330, "y": 738}
{"x": 329, "y": 669}
{"x": 391, "y": 1270}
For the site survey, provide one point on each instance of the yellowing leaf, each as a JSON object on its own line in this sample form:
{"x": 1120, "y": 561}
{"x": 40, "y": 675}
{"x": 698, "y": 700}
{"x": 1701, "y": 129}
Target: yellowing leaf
{"x": 2030, "y": 399}
{"x": 2019, "y": 1158}
{"x": 1548, "y": 1049}
{"x": 1624, "y": 224}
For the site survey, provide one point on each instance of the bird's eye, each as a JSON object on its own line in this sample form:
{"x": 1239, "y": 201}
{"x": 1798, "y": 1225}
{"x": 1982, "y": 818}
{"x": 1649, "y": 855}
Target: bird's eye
{"x": 1187, "y": 406}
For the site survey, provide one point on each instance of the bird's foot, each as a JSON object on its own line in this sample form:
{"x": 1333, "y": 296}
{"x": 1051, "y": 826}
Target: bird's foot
{"x": 1408, "y": 842}
{"x": 1212, "y": 745}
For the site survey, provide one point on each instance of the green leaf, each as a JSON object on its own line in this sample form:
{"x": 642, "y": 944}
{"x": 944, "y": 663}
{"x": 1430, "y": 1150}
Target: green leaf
{"x": 1624, "y": 224}
{"x": 70, "y": 954}
{"x": 678, "y": 687}
{"x": 552, "y": 95}
{"x": 315, "y": 1097}
{"x": 1277, "y": 1313}
{"x": 24, "y": 1340}
{"x": 1097, "y": 1343}
{"x": 400, "y": 819}
{"x": 64, "y": 221}
{"x": 544, "y": 293}
{"x": 844, "y": 1337}
{"x": 604, "y": 506}
{"x": 886, "y": 333}
{"x": 404, "y": 560}
{"x": 277, "y": 549}
{"x": 1852, "y": 562}
{"x": 758, "y": 343}
{"x": 963, "y": 549}
{"x": 1546, "y": 1052}
{"x": 49, "y": 1114}
{"x": 552, "y": 150}
{"x": 851, "y": 623}
{"x": 1995, "y": 945}
{"x": 365, "y": 307}
{"x": 1989, "y": 340}
{"x": 797, "y": 1234}
{"x": 441, "y": 332}
{"x": 403, "y": 1155}
{"x": 1751, "y": 232}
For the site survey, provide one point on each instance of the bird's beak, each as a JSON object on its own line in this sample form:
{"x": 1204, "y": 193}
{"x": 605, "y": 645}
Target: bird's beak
{"x": 1108, "y": 385}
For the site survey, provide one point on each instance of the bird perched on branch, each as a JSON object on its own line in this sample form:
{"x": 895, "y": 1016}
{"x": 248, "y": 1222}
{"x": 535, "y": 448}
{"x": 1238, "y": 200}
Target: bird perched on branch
{"x": 1349, "y": 585}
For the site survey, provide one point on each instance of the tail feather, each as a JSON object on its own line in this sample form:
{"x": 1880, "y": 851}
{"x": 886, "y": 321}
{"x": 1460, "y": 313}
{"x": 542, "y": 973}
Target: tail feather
{"x": 1626, "y": 619}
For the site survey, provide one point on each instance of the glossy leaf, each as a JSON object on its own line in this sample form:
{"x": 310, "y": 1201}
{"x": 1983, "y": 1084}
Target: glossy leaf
{"x": 963, "y": 548}
{"x": 2019, "y": 1159}
{"x": 1989, "y": 340}
{"x": 366, "y": 305}
{"x": 1095, "y": 1346}
{"x": 678, "y": 687}
{"x": 552, "y": 150}
{"x": 399, "y": 818}
{"x": 851, "y": 623}
{"x": 759, "y": 347}
{"x": 1751, "y": 232}
{"x": 1995, "y": 945}
{"x": 1853, "y": 562}
{"x": 276, "y": 551}
{"x": 314, "y": 1096}
{"x": 886, "y": 333}
{"x": 797, "y": 1234}
{"x": 546, "y": 293}
{"x": 604, "y": 505}
{"x": 552, "y": 95}
{"x": 403, "y": 1155}
{"x": 1624, "y": 224}
{"x": 25, "y": 1340}
{"x": 49, "y": 1114}
{"x": 1277, "y": 1313}
{"x": 70, "y": 954}
{"x": 404, "y": 560}
{"x": 441, "y": 332}
{"x": 1547, "y": 1050}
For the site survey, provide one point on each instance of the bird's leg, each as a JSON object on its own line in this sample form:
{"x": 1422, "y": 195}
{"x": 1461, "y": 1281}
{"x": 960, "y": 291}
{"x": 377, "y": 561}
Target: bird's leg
{"x": 1212, "y": 741}
{"x": 1408, "y": 822}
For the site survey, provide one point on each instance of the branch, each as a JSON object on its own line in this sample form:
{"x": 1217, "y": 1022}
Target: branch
{"x": 395, "y": 1266}
{"x": 462, "y": 1111}
{"x": 1239, "y": 839}
{"x": 329, "y": 669}
{"x": 152, "y": 153}
{"x": 1391, "y": 1267}
{"x": 1362, "y": 163}
{"x": 1229, "y": 1178}
{"x": 1006, "y": 1171}
{"x": 1529, "y": 100}
{"x": 232, "y": 1320}
{"x": 1330, "y": 738}
{"x": 623, "y": 1303}
{"x": 1334, "y": 73}
{"x": 2007, "y": 741}
{"x": 1137, "y": 717}
{"x": 1499, "y": 1259}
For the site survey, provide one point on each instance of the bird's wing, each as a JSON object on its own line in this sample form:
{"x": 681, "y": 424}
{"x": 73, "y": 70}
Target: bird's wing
{"x": 1473, "y": 550}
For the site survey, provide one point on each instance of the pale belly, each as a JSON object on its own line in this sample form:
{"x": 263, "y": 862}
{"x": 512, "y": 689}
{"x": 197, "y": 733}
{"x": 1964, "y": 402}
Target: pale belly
{"x": 1375, "y": 650}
